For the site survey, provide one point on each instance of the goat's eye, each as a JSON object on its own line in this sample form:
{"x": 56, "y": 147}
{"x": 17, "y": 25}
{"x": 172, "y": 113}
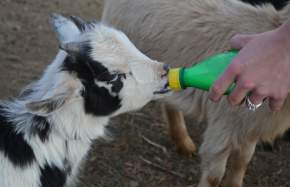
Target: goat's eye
{"x": 114, "y": 77}
{"x": 117, "y": 76}
{"x": 107, "y": 77}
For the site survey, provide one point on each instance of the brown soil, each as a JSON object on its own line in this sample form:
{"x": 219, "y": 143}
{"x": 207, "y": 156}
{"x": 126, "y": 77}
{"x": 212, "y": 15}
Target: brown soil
{"x": 27, "y": 45}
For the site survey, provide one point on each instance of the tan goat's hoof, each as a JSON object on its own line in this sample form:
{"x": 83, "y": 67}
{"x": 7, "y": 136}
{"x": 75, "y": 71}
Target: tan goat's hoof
{"x": 232, "y": 185}
{"x": 186, "y": 147}
{"x": 228, "y": 183}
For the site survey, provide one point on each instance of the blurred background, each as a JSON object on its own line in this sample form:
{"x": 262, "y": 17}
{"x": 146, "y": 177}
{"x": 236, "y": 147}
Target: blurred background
{"x": 129, "y": 158}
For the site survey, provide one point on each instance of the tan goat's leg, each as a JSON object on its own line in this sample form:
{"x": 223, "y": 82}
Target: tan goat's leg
{"x": 238, "y": 165}
{"x": 213, "y": 168}
{"x": 178, "y": 131}
{"x": 214, "y": 153}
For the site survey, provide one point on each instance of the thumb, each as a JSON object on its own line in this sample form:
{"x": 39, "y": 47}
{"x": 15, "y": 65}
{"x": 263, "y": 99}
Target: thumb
{"x": 240, "y": 40}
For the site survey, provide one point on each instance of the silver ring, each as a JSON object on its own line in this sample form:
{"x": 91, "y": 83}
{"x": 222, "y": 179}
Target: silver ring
{"x": 251, "y": 106}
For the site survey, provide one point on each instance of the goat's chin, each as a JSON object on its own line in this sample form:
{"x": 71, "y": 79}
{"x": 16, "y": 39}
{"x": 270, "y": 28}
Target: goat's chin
{"x": 162, "y": 94}
{"x": 162, "y": 91}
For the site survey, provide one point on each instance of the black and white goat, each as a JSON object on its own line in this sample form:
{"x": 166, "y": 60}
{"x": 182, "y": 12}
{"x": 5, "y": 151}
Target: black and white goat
{"x": 48, "y": 130}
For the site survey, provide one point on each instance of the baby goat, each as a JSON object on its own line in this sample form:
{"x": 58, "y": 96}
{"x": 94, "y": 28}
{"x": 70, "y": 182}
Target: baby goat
{"x": 46, "y": 133}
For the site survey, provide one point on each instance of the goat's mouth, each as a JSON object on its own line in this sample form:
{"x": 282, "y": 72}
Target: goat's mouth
{"x": 164, "y": 78}
{"x": 164, "y": 90}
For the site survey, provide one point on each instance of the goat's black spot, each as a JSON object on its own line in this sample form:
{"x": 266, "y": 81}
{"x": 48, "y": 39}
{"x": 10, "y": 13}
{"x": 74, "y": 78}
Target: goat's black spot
{"x": 117, "y": 85}
{"x": 98, "y": 100}
{"x": 277, "y": 4}
{"x": 41, "y": 127}
{"x": 52, "y": 176}
{"x": 86, "y": 68}
{"x": 13, "y": 144}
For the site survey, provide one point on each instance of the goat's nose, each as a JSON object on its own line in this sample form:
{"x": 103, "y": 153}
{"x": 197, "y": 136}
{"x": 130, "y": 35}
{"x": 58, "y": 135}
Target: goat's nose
{"x": 166, "y": 68}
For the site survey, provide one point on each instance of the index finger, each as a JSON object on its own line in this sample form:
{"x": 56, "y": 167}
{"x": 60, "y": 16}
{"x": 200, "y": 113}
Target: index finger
{"x": 224, "y": 82}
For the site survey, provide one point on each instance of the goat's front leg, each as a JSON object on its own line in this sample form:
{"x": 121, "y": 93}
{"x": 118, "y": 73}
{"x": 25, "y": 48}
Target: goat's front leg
{"x": 214, "y": 153}
{"x": 239, "y": 161}
{"x": 213, "y": 168}
{"x": 178, "y": 130}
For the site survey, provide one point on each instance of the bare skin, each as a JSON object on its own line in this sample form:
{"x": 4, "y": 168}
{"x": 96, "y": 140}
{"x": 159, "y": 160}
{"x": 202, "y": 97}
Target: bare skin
{"x": 261, "y": 68}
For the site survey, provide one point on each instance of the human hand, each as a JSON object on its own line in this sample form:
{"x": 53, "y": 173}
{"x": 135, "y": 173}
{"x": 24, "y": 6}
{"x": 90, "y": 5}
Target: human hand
{"x": 262, "y": 68}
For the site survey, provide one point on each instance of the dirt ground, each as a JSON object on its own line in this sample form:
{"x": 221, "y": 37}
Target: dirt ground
{"x": 27, "y": 45}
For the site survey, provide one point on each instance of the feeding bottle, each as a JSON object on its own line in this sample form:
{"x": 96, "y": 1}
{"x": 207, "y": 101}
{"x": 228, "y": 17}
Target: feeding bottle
{"x": 203, "y": 74}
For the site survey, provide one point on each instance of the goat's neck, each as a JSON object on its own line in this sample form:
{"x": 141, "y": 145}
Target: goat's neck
{"x": 75, "y": 130}
{"x": 72, "y": 123}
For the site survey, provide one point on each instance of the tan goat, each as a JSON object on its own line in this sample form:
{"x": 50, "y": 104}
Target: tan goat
{"x": 183, "y": 32}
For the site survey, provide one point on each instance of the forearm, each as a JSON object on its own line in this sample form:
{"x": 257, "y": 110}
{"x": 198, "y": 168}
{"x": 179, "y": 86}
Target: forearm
{"x": 284, "y": 30}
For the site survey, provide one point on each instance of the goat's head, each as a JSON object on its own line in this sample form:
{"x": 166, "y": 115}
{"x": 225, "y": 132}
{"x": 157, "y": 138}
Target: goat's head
{"x": 100, "y": 66}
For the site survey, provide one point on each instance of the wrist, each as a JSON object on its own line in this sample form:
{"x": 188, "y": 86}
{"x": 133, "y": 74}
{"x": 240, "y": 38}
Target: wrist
{"x": 284, "y": 29}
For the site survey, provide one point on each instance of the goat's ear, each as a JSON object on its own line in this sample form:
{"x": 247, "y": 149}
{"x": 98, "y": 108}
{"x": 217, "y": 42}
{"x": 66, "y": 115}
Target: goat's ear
{"x": 79, "y": 22}
{"x": 51, "y": 103}
{"x": 66, "y": 29}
